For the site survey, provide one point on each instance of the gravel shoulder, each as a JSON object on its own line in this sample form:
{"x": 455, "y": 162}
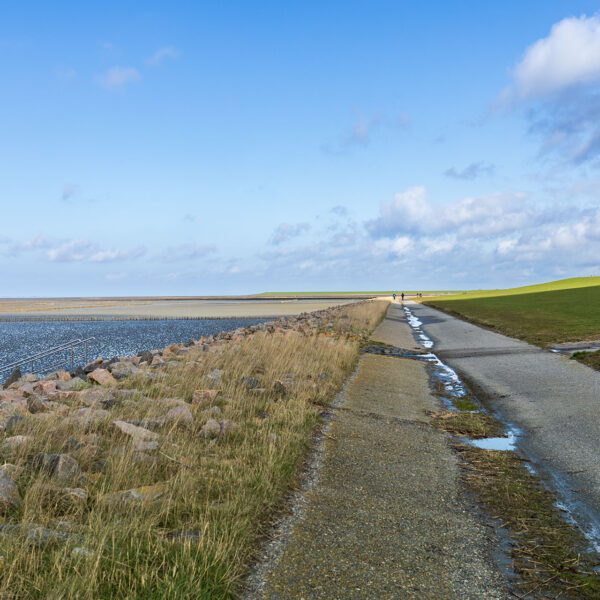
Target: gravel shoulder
{"x": 387, "y": 518}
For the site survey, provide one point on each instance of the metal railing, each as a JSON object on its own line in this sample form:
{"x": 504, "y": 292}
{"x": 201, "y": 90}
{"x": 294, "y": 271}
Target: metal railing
{"x": 67, "y": 346}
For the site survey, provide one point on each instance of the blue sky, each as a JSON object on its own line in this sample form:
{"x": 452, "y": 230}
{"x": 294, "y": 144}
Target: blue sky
{"x": 207, "y": 147}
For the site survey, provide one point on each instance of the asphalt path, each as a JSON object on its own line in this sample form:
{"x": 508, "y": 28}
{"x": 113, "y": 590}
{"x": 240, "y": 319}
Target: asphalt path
{"x": 553, "y": 401}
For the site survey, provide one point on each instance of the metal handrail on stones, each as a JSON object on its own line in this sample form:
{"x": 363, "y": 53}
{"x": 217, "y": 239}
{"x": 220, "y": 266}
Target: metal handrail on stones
{"x": 55, "y": 350}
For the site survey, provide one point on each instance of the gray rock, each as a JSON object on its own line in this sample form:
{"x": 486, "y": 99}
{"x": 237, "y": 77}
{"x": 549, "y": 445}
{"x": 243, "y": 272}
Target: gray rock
{"x": 228, "y": 427}
{"x": 13, "y": 443}
{"x": 9, "y": 493}
{"x": 73, "y": 385}
{"x": 211, "y": 429}
{"x": 135, "y": 432}
{"x": 250, "y": 382}
{"x": 34, "y": 535}
{"x": 61, "y": 468}
{"x": 124, "y": 369}
{"x": 214, "y": 377}
{"x": 12, "y": 378}
{"x": 146, "y": 357}
{"x": 213, "y": 411}
{"x": 36, "y": 405}
{"x": 180, "y": 415}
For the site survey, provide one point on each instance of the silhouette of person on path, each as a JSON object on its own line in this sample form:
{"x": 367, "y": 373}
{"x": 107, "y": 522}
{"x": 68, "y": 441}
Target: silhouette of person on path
{"x": 394, "y": 297}
{"x": 402, "y": 296}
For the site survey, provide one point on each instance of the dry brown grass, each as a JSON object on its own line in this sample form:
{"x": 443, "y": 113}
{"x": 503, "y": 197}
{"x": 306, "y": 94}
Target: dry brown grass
{"x": 220, "y": 492}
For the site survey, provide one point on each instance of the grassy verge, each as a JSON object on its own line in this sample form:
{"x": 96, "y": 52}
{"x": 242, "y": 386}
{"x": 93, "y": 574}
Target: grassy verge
{"x": 543, "y": 317}
{"x": 180, "y": 520}
{"x": 549, "y": 555}
{"x": 591, "y": 359}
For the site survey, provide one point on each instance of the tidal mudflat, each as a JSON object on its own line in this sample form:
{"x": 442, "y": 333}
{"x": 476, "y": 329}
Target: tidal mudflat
{"x": 157, "y": 308}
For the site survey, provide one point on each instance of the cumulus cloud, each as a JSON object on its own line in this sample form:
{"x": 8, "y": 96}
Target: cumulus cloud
{"x": 557, "y": 83}
{"x": 184, "y": 252}
{"x": 285, "y": 232}
{"x": 117, "y": 77}
{"x": 161, "y": 54}
{"x": 568, "y": 56}
{"x": 472, "y": 171}
{"x": 410, "y": 212}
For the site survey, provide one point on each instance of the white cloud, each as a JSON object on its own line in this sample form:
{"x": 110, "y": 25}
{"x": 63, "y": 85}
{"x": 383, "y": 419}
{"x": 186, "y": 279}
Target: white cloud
{"x": 72, "y": 250}
{"x": 112, "y": 255}
{"x": 569, "y": 56}
{"x": 185, "y": 252}
{"x": 285, "y": 232}
{"x": 117, "y": 77}
{"x": 411, "y": 213}
{"x": 161, "y": 54}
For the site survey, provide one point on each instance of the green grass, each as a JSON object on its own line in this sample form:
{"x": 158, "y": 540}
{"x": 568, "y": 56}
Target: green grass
{"x": 558, "y": 311}
{"x": 591, "y": 359}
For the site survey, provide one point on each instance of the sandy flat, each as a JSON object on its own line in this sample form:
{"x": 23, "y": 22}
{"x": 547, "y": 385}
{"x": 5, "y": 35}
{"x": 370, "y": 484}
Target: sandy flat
{"x": 163, "y": 308}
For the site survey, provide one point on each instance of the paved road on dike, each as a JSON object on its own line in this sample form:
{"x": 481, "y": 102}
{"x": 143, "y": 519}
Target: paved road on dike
{"x": 553, "y": 400}
{"x": 386, "y": 517}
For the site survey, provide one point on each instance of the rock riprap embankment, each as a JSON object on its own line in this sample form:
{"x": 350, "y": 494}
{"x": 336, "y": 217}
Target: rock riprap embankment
{"x": 59, "y": 433}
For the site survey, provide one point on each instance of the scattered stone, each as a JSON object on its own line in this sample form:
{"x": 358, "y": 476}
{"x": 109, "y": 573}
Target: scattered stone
{"x": 124, "y": 369}
{"x": 34, "y": 535}
{"x": 138, "y": 433}
{"x": 81, "y": 552}
{"x": 61, "y": 468}
{"x": 214, "y": 377}
{"x": 94, "y": 397}
{"x": 15, "y": 442}
{"x": 13, "y": 377}
{"x": 157, "y": 361}
{"x": 92, "y": 366}
{"x": 146, "y": 357}
{"x": 9, "y": 493}
{"x": 213, "y": 411}
{"x": 279, "y": 389}
{"x": 180, "y": 415}
{"x": 15, "y": 398}
{"x": 211, "y": 429}
{"x": 250, "y": 382}
{"x": 228, "y": 427}
{"x": 324, "y": 376}
{"x": 36, "y": 405}
{"x": 205, "y": 397}
{"x": 74, "y": 384}
{"x": 90, "y": 416}
{"x": 102, "y": 377}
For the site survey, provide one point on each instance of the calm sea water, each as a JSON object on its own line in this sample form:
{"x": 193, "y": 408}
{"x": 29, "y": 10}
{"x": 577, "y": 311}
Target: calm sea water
{"x": 113, "y": 338}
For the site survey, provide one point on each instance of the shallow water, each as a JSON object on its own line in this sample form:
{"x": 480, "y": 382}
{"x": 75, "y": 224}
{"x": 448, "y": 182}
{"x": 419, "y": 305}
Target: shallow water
{"x": 19, "y": 340}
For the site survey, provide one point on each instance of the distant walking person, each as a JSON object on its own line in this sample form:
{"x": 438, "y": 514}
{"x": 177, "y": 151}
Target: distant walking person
{"x": 394, "y": 294}
{"x": 402, "y": 296}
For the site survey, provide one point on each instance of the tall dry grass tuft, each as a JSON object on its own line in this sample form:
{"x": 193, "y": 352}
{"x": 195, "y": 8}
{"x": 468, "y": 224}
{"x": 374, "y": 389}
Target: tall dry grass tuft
{"x": 180, "y": 520}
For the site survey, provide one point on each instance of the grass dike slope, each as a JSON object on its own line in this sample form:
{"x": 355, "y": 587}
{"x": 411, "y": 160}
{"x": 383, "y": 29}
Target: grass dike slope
{"x": 567, "y": 310}
{"x": 160, "y": 481}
